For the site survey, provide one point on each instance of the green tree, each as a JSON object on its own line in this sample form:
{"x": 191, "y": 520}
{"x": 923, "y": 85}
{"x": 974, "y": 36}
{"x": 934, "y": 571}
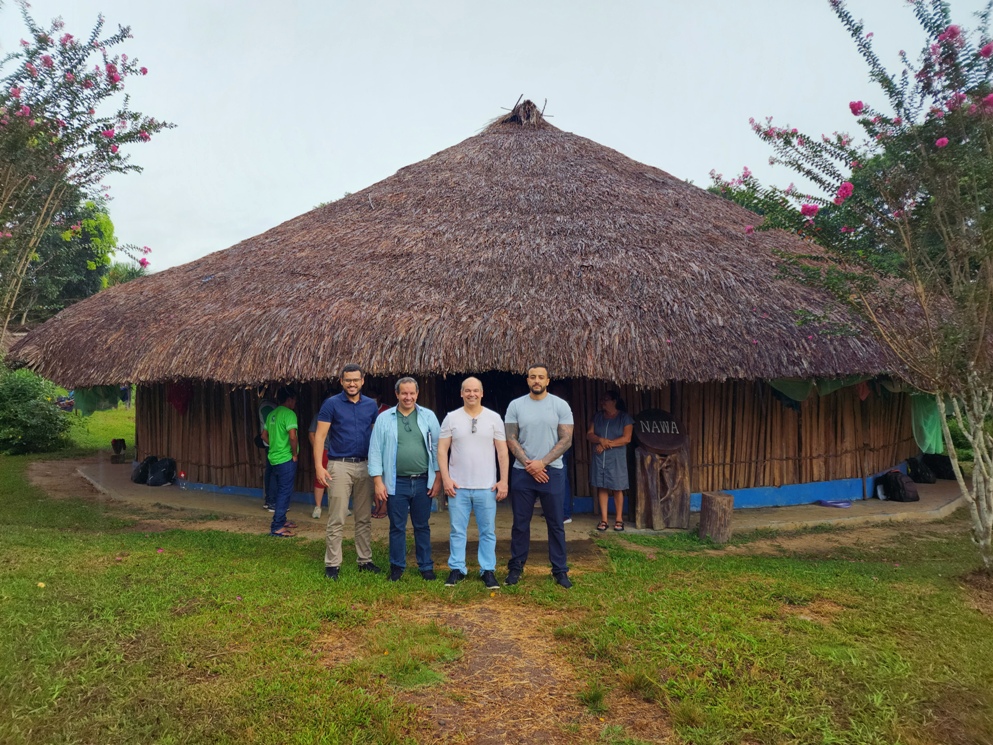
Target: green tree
{"x": 123, "y": 271}
{"x": 61, "y": 133}
{"x": 903, "y": 217}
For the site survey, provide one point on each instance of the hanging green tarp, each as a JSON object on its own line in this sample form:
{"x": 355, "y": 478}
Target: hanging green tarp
{"x": 927, "y": 423}
{"x": 827, "y": 386}
{"x": 798, "y": 390}
{"x": 97, "y": 398}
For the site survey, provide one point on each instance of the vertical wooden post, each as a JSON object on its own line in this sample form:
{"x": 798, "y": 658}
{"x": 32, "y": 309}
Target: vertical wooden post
{"x": 716, "y": 509}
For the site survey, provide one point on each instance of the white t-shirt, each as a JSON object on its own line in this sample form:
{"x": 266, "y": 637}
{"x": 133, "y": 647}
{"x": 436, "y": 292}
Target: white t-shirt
{"x": 472, "y": 458}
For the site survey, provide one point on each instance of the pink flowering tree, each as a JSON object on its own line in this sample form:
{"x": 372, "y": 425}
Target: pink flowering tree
{"x": 902, "y": 212}
{"x": 65, "y": 124}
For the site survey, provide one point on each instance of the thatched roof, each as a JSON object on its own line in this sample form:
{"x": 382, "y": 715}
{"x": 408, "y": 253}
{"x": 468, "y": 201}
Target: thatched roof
{"x": 522, "y": 243}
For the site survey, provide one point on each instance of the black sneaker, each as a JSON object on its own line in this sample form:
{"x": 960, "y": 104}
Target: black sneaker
{"x": 563, "y": 580}
{"x": 395, "y": 572}
{"x": 513, "y": 577}
{"x": 369, "y": 567}
{"x": 454, "y": 577}
{"x": 490, "y": 580}
{"x": 429, "y": 575}
{"x": 331, "y": 573}
{"x": 269, "y": 507}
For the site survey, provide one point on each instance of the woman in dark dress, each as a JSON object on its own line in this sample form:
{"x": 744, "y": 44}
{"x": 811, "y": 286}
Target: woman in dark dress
{"x": 610, "y": 432}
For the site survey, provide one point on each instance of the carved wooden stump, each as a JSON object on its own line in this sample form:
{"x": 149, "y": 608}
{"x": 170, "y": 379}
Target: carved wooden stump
{"x": 663, "y": 494}
{"x": 716, "y": 509}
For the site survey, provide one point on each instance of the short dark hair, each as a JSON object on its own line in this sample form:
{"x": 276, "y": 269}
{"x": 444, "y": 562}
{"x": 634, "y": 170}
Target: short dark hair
{"x": 615, "y": 396}
{"x": 401, "y": 381}
{"x": 351, "y": 367}
{"x": 542, "y": 365}
{"x": 284, "y": 394}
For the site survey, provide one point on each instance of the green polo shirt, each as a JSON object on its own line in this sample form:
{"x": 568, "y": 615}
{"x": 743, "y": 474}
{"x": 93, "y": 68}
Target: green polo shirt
{"x": 278, "y": 425}
{"x": 412, "y": 454}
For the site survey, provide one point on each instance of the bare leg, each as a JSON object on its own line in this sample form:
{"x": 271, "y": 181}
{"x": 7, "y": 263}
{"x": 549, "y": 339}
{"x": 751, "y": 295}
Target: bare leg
{"x": 318, "y": 498}
{"x": 603, "y": 497}
{"x": 618, "y": 506}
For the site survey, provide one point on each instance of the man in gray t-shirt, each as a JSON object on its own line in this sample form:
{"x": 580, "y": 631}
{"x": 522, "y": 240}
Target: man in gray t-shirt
{"x": 539, "y": 430}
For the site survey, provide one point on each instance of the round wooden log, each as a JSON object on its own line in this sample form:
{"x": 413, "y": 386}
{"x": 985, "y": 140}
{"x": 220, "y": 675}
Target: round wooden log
{"x": 716, "y": 509}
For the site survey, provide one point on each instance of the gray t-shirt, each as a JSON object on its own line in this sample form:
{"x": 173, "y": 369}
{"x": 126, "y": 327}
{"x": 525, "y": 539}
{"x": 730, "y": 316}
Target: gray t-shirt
{"x": 313, "y": 429}
{"x": 538, "y": 425}
{"x": 472, "y": 457}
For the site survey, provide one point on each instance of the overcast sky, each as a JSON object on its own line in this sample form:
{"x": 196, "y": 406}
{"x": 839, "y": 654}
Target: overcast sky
{"x": 283, "y": 105}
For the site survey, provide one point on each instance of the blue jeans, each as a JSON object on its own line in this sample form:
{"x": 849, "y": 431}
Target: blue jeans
{"x": 483, "y": 503}
{"x": 411, "y": 499}
{"x": 268, "y": 483}
{"x": 524, "y": 490}
{"x": 283, "y": 477}
{"x": 567, "y": 501}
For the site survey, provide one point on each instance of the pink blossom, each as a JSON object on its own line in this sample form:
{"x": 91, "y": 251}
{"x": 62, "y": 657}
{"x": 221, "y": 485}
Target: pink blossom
{"x": 92, "y": 112}
{"x": 15, "y": 92}
{"x": 809, "y": 210}
{"x": 146, "y": 250}
{"x": 749, "y": 229}
{"x": 746, "y": 173}
{"x": 114, "y": 149}
{"x": 941, "y": 142}
{"x": 857, "y": 107}
{"x": 143, "y": 262}
{"x": 144, "y": 136}
{"x": 898, "y": 121}
{"x": 988, "y": 101}
{"x": 987, "y": 51}
{"x": 24, "y": 43}
{"x": 70, "y": 77}
{"x": 950, "y": 34}
{"x": 846, "y": 229}
{"x": 87, "y": 83}
{"x": 108, "y": 133}
{"x": 846, "y": 190}
{"x": 47, "y": 61}
{"x": 114, "y": 78}
{"x": 31, "y": 69}
{"x": 143, "y": 71}
{"x": 23, "y": 111}
{"x": 66, "y": 40}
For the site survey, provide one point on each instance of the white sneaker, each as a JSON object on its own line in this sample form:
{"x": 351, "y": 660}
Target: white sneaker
{"x": 567, "y": 521}
{"x": 317, "y": 513}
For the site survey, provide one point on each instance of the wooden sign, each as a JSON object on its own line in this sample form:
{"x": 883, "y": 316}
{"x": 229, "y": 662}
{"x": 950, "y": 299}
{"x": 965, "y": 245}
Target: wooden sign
{"x": 658, "y": 431}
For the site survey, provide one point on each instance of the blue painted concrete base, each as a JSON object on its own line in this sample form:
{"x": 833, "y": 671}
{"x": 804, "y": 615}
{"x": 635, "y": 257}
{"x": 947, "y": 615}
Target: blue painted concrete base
{"x": 762, "y": 496}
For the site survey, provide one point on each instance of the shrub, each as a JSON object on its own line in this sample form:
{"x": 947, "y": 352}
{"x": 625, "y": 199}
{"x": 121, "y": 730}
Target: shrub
{"x": 30, "y": 421}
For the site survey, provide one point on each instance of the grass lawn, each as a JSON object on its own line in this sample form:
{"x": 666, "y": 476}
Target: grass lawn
{"x": 113, "y": 634}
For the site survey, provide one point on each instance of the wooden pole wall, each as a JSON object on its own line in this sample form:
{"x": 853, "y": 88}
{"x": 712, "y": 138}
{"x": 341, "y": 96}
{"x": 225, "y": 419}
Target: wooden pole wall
{"x": 741, "y": 434}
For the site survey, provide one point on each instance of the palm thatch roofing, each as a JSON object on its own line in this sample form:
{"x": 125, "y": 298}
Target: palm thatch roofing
{"x": 521, "y": 243}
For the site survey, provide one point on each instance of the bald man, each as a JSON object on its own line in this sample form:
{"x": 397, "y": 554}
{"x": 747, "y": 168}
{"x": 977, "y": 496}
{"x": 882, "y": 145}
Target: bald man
{"x": 470, "y": 437}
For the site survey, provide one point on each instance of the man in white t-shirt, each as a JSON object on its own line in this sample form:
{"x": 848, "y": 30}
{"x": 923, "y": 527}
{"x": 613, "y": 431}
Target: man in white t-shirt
{"x": 470, "y": 437}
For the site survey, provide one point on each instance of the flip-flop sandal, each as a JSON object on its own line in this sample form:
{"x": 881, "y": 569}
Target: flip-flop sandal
{"x": 618, "y": 526}
{"x": 282, "y": 534}
{"x": 289, "y": 525}
{"x": 601, "y": 526}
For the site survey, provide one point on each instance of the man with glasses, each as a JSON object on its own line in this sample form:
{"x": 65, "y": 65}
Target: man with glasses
{"x": 539, "y": 431}
{"x": 345, "y": 423}
{"x": 472, "y": 435}
{"x": 403, "y": 464}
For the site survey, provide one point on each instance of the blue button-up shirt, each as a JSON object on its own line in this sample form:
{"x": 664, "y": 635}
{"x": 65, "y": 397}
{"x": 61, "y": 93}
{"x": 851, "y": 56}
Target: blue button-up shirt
{"x": 383, "y": 450}
{"x": 351, "y": 425}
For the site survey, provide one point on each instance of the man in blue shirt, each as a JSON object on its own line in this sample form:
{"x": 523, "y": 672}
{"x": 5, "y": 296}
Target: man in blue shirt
{"x": 403, "y": 463}
{"x": 345, "y": 423}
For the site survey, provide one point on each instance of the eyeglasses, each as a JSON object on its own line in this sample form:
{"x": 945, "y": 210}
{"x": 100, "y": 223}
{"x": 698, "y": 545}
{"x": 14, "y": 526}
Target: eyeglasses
{"x": 474, "y": 425}
{"x": 406, "y": 424}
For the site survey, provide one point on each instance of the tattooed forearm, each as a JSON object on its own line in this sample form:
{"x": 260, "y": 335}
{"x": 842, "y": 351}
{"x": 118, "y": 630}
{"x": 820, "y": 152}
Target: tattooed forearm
{"x": 564, "y": 443}
{"x": 513, "y": 444}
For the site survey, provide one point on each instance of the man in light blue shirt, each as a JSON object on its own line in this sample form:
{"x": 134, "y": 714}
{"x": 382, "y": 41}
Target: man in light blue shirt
{"x": 539, "y": 430}
{"x": 403, "y": 463}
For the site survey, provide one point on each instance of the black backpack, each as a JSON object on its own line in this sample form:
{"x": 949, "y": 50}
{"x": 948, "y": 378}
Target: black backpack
{"x": 139, "y": 474}
{"x": 920, "y": 472}
{"x": 161, "y": 472}
{"x": 940, "y": 465}
{"x": 896, "y": 487}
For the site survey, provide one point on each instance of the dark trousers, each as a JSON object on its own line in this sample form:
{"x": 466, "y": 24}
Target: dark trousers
{"x": 268, "y": 483}
{"x": 284, "y": 475}
{"x": 412, "y": 499}
{"x": 524, "y": 490}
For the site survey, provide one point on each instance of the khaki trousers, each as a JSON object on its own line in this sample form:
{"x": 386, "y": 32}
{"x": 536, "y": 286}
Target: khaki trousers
{"x": 348, "y": 480}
